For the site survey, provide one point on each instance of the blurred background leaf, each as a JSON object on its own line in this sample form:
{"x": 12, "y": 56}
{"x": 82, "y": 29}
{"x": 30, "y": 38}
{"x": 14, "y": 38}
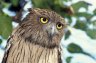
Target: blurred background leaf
{"x": 15, "y": 2}
{"x": 67, "y": 34}
{"x": 73, "y": 48}
{"x": 5, "y": 25}
{"x": 80, "y": 4}
{"x": 0, "y": 41}
{"x": 68, "y": 59}
{"x": 81, "y": 25}
{"x": 91, "y": 33}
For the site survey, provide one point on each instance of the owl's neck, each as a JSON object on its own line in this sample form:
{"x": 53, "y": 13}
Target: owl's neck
{"x": 44, "y": 55}
{"x": 26, "y": 52}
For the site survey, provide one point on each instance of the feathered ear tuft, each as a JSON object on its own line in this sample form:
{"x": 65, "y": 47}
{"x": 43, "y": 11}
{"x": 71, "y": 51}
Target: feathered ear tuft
{"x": 34, "y": 10}
{"x": 31, "y": 10}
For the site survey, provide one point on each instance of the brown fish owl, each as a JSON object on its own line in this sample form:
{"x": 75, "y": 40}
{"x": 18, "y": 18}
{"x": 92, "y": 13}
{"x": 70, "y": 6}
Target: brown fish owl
{"x": 36, "y": 39}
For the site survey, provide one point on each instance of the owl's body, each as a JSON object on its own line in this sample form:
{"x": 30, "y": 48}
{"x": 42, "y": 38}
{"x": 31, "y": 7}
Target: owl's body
{"x": 36, "y": 39}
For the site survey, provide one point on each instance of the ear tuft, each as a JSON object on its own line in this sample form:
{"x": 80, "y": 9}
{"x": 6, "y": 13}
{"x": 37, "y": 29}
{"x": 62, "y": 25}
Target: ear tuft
{"x": 29, "y": 9}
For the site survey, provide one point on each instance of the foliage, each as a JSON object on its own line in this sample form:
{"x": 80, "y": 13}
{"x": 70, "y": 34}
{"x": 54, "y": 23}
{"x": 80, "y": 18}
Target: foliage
{"x": 68, "y": 59}
{"x": 66, "y": 11}
{"x": 6, "y": 26}
{"x": 73, "y": 48}
{"x": 0, "y": 41}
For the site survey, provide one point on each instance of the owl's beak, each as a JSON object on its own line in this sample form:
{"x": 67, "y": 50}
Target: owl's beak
{"x": 51, "y": 31}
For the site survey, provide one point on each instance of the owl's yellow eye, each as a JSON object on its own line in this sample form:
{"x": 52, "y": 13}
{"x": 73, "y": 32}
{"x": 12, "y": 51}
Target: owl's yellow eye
{"x": 43, "y": 20}
{"x": 59, "y": 26}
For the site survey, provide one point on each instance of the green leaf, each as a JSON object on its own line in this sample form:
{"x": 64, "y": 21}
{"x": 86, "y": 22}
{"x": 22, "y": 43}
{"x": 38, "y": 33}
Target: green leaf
{"x": 84, "y": 14}
{"x": 73, "y": 48}
{"x": 59, "y": 2}
{"x": 91, "y": 33}
{"x": 0, "y": 41}
{"x": 94, "y": 23}
{"x": 15, "y": 2}
{"x": 42, "y": 3}
{"x": 81, "y": 25}
{"x": 78, "y": 5}
{"x": 65, "y": 0}
{"x": 67, "y": 35}
{"x": 48, "y": 3}
{"x": 94, "y": 12}
{"x": 68, "y": 59}
{"x": 3, "y": 4}
{"x": 5, "y": 26}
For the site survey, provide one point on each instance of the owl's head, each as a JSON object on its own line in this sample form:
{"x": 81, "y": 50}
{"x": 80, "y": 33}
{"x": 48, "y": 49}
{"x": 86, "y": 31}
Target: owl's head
{"x": 43, "y": 27}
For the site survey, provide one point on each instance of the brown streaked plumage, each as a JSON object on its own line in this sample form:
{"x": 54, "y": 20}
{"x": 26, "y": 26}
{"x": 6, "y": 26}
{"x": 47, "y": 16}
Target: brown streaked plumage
{"x": 36, "y": 39}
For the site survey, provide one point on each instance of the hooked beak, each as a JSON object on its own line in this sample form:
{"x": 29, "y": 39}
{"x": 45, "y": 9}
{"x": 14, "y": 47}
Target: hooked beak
{"x": 51, "y": 30}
